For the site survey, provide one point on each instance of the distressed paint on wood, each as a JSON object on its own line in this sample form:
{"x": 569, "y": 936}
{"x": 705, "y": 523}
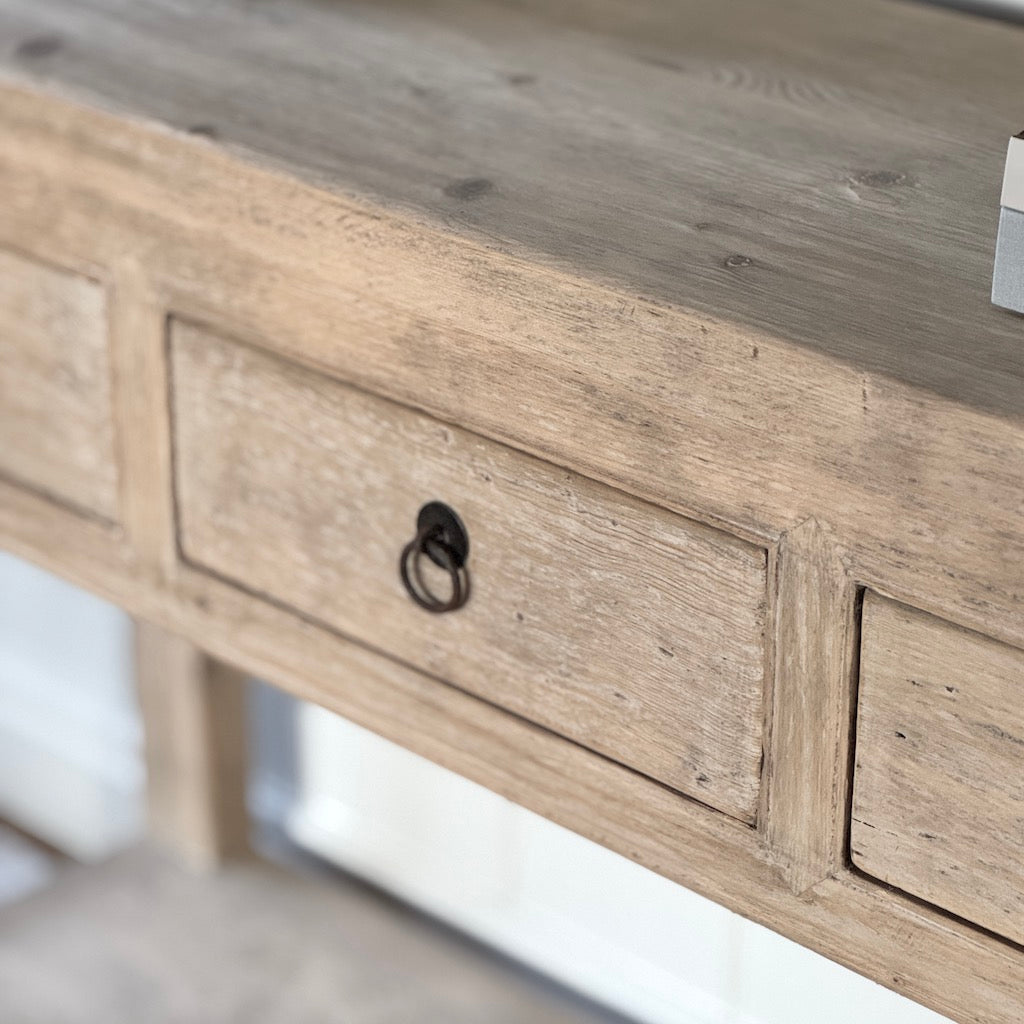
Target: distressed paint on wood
{"x": 939, "y": 783}
{"x": 624, "y": 627}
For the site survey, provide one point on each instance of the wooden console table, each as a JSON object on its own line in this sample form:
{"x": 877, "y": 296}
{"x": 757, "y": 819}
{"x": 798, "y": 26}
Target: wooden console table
{"x": 682, "y": 307}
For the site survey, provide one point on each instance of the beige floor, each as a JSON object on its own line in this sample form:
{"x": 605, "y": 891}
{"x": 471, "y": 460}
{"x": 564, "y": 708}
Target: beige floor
{"x": 136, "y": 940}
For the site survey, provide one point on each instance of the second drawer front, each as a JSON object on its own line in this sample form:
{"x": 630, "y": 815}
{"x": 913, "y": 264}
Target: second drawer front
{"x": 938, "y": 807}
{"x": 629, "y": 629}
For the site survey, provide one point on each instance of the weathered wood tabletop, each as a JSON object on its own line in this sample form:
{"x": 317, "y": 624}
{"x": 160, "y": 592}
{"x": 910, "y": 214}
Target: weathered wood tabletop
{"x": 830, "y": 172}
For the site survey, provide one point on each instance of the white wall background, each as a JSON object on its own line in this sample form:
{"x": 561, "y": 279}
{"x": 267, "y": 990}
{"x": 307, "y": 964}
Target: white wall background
{"x": 70, "y": 770}
{"x": 70, "y": 739}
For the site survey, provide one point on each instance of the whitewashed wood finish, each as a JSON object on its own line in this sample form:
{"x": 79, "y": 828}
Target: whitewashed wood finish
{"x": 56, "y": 430}
{"x": 939, "y": 784}
{"x": 193, "y": 710}
{"x": 621, "y": 626}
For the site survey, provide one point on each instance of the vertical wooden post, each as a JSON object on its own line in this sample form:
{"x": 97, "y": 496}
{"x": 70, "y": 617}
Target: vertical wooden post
{"x": 138, "y": 328}
{"x": 808, "y": 752}
{"x": 193, "y": 707}
{"x": 193, "y": 710}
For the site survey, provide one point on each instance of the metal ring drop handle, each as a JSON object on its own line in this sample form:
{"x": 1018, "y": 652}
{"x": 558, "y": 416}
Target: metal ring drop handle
{"x": 440, "y": 536}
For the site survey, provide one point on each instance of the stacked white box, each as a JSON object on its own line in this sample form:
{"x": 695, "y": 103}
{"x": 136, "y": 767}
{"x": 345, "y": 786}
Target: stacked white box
{"x": 1008, "y": 273}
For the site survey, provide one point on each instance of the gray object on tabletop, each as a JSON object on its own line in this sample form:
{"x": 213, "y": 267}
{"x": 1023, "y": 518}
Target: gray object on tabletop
{"x": 1008, "y": 273}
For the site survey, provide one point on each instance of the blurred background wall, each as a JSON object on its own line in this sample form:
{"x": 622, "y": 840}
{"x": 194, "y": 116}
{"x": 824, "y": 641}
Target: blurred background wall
{"x": 71, "y": 772}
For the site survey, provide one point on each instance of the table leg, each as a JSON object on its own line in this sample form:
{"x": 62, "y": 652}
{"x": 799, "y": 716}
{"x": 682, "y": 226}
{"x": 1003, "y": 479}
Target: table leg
{"x": 193, "y": 710}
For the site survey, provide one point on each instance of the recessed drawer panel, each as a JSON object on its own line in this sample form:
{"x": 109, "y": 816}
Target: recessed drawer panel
{"x": 56, "y": 428}
{"x": 938, "y": 806}
{"x": 631, "y": 630}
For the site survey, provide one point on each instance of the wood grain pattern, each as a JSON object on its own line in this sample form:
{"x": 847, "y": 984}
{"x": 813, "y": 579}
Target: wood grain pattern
{"x": 724, "y": 424}
{"x": 647, "y": 348}
{"x": 619, "y": 625}
{"x": 902, "y": 943}
{"x": 752, "y": 160}
{"x": 939, "y": 783}
{"x": 193, "y": 711}
{"x": 810, "y": 724}
{"x": 56, "y": 431}
{"x": 950, "y": 966}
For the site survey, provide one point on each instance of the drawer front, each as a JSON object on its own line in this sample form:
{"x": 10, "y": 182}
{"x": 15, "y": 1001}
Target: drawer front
{"x": 631, "y": 630}
{"x": 56, "y": 427}
{"x": 938, "y": 806}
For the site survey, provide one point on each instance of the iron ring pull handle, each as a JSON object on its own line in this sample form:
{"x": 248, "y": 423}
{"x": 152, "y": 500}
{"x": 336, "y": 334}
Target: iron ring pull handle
{"x": 441, "y": 537}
